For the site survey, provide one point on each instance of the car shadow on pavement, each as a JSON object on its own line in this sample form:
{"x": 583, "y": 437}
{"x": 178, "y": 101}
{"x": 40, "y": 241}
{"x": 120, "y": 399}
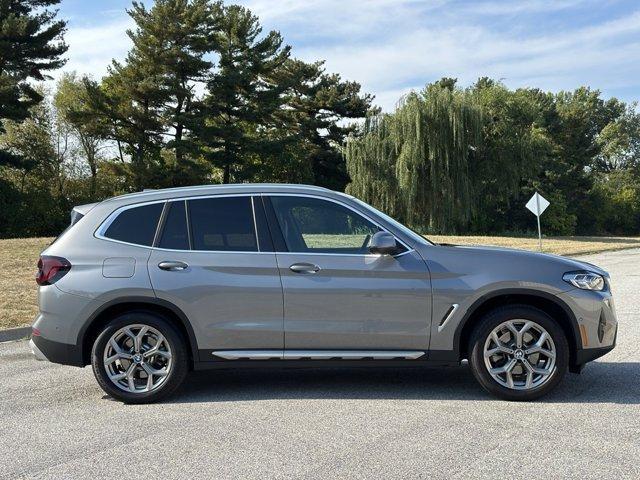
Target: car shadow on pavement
{"x": 600, "y": 382}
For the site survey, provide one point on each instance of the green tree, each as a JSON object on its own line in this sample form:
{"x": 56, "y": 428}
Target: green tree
{"x": 31, "y": 43}
{"x": 575, "y": 122}
{"x": 579, "y": 150}
{"x": 127, "y": 105}
{"x": 242, "y": 98}
{"x": 70, "y": 100}
{"x": 618, "y": 195}
{"x": 317, "y": 106}
{"x": 513, "y": 148}
{"x": 145, "y": 102}
{"x": 427, "y": 145}
{"x": 171, "y": 41}
{"x": 619, "y": 142}
{"x": 36, "y": 189}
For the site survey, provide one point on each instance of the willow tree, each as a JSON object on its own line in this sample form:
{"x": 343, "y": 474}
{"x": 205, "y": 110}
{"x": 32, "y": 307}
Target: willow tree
{"x": 371, "y": 163}
{"x": 414, "y": 163}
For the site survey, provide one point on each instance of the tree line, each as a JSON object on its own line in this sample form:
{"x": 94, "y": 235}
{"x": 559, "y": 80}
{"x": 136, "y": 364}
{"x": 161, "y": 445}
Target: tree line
{"x": 204, "y": 95}
{"x": 466, "y": 160}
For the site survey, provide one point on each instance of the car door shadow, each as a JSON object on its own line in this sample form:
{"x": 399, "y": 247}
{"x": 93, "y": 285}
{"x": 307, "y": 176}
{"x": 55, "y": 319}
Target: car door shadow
{"x": 600, "y": 382}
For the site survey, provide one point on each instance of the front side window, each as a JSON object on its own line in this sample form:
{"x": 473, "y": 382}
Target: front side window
{"x": 136, "y": 225}
{"x": 222, "y": 224}
{"x": 319, "y": 226}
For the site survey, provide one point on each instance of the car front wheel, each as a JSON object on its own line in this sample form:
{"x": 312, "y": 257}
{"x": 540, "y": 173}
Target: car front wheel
{"x": 139, "y": 357}
{"x": 518, "y": 353}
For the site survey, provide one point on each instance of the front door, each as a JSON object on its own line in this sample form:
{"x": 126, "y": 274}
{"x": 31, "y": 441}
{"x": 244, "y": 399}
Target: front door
{"x": 336, "y": 294}
{"x": 213, "y": 265}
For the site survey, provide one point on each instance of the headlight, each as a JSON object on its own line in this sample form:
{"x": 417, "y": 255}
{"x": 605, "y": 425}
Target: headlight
{"x": 585, "y": 280}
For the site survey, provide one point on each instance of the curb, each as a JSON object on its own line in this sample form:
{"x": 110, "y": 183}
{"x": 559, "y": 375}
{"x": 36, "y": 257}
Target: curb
{"x": 15, "y": 334}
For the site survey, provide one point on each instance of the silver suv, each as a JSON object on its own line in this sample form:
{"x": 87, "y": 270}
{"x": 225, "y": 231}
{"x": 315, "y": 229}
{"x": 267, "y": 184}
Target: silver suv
{"x": 148, "y": 286}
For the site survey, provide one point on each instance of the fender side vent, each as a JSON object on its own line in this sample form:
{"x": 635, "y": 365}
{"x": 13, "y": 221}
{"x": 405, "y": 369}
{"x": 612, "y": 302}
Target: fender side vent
{"x": 447, "y": 316}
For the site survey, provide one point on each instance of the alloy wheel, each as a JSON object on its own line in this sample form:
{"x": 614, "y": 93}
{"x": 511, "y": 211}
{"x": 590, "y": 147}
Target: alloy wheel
{"x": 137, "y": 358}
{"x": 520, "y": 354}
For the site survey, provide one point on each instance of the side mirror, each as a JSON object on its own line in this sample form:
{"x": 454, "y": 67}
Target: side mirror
{"x": 383, "y": 243}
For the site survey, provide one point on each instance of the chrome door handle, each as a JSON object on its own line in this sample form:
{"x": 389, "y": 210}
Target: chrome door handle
{"x": 172, "y": 266}
{"x": 304, "y": 268}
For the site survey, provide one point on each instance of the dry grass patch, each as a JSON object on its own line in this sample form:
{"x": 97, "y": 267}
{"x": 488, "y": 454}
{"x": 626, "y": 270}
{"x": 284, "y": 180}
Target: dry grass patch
{"x": 18, "y": 301}
{"x": 18, "y": 257}
{"x": 569, "y": 246}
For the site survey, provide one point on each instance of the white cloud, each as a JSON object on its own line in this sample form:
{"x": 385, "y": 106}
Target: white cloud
{"x": 522, "y": 6}
{"x": 392, "y": 46}
{"x": 458, "y": 45}
{"x": 91, "y": 48}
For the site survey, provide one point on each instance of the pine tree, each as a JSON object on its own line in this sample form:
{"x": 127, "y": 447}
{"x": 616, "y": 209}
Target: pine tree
{"x": 171, "y": 39}
{"x": 242, "y": 98}
{"x": 146, "y": 101}
{"x": 317, "y": 104}
{"x": 127, "y": 104}
{"x": 31, "y": 43}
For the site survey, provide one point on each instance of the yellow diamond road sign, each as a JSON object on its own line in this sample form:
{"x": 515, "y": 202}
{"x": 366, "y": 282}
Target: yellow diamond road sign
{"x": 537, "y": 204}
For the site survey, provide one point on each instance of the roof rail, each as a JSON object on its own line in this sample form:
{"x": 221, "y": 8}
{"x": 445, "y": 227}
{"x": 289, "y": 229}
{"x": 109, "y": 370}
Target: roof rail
{"x": 148, "y": 191}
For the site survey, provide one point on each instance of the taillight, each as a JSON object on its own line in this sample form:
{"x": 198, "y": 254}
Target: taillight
{"x": 51, "y": 269}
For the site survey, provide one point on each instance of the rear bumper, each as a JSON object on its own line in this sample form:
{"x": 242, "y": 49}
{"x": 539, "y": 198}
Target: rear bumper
{"x": 36, "y": 351}
{"x": 56, "y": 352}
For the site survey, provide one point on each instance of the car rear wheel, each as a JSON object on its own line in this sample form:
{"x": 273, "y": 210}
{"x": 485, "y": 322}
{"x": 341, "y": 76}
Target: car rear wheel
{"x": 518, "y": 353}
{"x": 139, "y": 357}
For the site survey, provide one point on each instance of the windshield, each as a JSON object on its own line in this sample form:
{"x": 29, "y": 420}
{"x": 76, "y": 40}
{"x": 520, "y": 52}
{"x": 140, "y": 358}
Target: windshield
{"x": 406, "y": 230}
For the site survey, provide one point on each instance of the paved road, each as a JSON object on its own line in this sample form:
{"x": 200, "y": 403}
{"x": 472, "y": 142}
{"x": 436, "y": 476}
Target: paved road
{"x": 56, "y": 423}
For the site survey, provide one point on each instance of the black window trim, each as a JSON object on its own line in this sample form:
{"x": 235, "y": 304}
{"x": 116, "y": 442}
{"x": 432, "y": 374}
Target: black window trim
{"x": 114, "y": 215}
{"x": 277, "y": 237}
{"x": 263, "y": 230}
{"x": 163, "y": 221}
{"x": 160, "y": 225}
{"x": 99, "y": 233}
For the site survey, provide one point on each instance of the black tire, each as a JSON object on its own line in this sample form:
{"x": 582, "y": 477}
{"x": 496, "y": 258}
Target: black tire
{"x": 491, "y": 321}
{"x": 179, "y": 357}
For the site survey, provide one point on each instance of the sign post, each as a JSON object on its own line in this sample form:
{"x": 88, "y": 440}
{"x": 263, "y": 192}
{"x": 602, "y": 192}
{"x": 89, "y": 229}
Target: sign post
{"x": 536, "y": 205}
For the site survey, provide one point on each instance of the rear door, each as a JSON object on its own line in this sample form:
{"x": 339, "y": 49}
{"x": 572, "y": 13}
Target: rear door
{"x": 336, "y": 294}
{"x": 214, "y": 260}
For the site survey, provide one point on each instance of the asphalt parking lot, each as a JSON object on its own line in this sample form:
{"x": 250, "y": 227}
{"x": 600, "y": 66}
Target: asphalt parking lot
{"x": 55, "y": 422}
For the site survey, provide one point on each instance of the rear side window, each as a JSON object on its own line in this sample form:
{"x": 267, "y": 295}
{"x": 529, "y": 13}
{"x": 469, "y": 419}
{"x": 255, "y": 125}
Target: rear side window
{"x": 136, "y": 225}
{"x": 174, "y": 233}
{"x": 222, "y": 224}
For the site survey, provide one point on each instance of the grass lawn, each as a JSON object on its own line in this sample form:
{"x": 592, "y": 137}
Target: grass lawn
{"x": 18, "y": 257}
{"x": 569, "y": 246}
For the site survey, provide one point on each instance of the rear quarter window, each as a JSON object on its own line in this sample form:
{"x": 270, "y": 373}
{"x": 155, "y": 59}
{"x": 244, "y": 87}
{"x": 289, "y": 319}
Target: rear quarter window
{"x": 135, "y": 225}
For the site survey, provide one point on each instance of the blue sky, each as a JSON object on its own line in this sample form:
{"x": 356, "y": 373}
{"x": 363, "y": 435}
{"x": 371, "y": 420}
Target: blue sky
{"x": 393, "y": 46}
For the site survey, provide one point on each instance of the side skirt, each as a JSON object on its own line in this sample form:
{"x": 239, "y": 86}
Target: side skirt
{"x": 247, "y": 359}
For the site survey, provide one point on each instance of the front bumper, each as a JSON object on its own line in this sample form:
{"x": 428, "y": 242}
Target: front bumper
{"x": 597, "y": 324}
{"x": 585, "y": 355}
